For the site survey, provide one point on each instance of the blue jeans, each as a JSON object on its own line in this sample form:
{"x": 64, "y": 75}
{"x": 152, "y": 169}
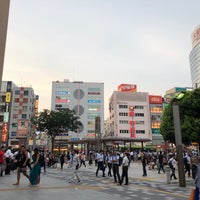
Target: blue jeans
{"x": 196, "y": 196}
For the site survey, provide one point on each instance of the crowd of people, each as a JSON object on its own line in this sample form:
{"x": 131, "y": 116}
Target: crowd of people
{"x": 108, "y": 162}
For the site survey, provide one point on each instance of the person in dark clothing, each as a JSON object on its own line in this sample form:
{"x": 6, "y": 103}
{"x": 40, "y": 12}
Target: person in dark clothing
{"x": 115, "y": 165}
{"x": 144, "y": 163}
{"x": 62, "y": 160}
{"x": 22, "y": 159}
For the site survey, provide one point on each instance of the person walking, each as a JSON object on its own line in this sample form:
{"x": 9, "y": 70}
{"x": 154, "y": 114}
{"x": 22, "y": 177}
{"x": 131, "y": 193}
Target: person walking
{"x": 187, "y": 163}
{"x": 172, "y": 165}
{"x": 160, "y": 161}
{"x": 22, "y": 159}
{"x": 74, "y": 164}
{"x": 125, "y": 165}
{"x": 35, "y": 169}
{"x": 109, "y": 162}
{"x": 62, "y": 160}
{"x": 100, "y": 163}
{"x": 8, "y": 157}
{"x": 115, "y": 165}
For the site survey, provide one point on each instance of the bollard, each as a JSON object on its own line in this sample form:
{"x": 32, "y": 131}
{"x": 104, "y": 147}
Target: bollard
{"x": 167, "y": 171}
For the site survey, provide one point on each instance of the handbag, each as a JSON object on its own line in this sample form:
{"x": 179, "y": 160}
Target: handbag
{"x": 192, "y": 194}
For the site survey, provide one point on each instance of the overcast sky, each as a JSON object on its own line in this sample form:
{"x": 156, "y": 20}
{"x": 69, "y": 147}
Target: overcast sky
{"x": 142, "y": 42}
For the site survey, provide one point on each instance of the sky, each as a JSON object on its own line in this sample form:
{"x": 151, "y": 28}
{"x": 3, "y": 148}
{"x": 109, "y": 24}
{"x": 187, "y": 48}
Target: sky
{"x": 142, "y": 42}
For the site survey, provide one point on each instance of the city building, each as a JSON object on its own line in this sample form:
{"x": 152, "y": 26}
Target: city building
{"x": 86, "y": 99}
{"x": 195, "y": 58}
{"x": 129, "y": 113}
{"x": 23, "y": 107}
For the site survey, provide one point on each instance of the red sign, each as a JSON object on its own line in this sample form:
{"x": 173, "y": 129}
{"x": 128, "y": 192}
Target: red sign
{"x": 196, "y": 36}
{"x": 127, "y": 88}
{"x": 155, "y": 99}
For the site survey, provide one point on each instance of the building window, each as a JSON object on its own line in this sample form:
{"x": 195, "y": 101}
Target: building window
{"x": 139, "y": 114}
{"x": 139, "y": 122}
{"x": 15, "y": 116}
{"x": 13, "y": 133}
{"x": 25, "y": 100}
{"x": 17, "y": 92}
{"x": 123, "y": 114}
{"x": 14, "y": 125}
{"x": 123, "y": 106}
{"x": 124, "y": 131}
{"x": 24, "y": 108}
{"x": 140, "y": 131}
{"x": 16, "y": 100}
{"x": 25, "y": 92}
{"x": 123, "y": 121}
{"x": 23, "y": 116}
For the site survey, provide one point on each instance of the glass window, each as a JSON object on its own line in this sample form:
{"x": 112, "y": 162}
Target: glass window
{"x": 25, "y": 92}
{"x": 16, "y": 100}
{"x": 23, "y": 116}
{"x": 17, "y": 92}
{"x": 25, "y": 100}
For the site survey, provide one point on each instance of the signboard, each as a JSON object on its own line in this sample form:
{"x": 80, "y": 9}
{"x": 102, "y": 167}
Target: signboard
{"x": 127, "y": 88}
{"x": 196, "y": 36}
{"x": 155, "y": 99}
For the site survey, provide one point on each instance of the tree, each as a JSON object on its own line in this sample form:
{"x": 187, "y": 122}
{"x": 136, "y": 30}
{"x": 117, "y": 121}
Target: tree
{"x": 56, "y": 122}
{"x": 189, "y": 107}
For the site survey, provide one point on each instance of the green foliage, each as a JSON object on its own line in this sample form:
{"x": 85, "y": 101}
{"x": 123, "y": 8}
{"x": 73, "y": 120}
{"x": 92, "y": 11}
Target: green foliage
{"x": 56, "y": 122}
{"x": 189, "y": 107}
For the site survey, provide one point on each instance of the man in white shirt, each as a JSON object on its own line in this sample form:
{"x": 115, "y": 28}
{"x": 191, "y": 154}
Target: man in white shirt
{"x": 8, "y": 155}
{"x": 75, "y": 165}
{"x": 125, "y": 164}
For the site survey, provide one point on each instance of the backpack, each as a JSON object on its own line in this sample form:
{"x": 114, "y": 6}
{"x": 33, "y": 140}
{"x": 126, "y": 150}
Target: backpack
{"x": 170, "y": 164}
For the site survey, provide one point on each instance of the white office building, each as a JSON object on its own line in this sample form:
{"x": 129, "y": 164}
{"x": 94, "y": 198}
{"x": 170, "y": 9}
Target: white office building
{"x": 85, "y": 98}
{"x": 129, "y": 115}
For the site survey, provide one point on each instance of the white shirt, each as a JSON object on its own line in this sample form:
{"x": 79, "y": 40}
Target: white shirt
{"x": 125, "y": 161}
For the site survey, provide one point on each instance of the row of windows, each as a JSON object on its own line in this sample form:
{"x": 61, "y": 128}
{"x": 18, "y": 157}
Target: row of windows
{"x": 135, "y": 107}
{"x": 127, "y": 122}
{"x": 26, "y": 92}
{"x": 125, "y": 114}
{"x": 137, "y": 131}
{"x": 25, "y": 100}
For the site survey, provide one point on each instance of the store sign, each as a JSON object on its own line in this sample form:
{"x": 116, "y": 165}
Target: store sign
{"x": 196, "y": 36}
{"x": 155, "y": 99}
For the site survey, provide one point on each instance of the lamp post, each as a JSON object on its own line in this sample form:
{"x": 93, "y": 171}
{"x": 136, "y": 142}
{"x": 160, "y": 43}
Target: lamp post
{"x": 178, "y": 139}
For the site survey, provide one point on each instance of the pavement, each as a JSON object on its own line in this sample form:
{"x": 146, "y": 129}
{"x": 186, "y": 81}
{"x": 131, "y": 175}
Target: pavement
{"x": 55, "y": 184}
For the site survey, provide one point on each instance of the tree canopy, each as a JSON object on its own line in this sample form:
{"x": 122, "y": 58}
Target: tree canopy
{"x": 57, "y": 122}
{"x": 189, "y": 108}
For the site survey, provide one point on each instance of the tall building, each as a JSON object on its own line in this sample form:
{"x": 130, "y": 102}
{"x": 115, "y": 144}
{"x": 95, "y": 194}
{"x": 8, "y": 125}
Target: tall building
{"x": 23, "y": 107}
{"x": 129, "y": 113}
{"x": 86, "y": 99}
{"x": 195, "y": 58}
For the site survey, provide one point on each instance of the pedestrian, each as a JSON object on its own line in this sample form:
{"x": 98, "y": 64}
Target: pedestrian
{"x": 144, "y": 162}
{"x": 62, "y": 159}
{"x": 115, "y": 165}
{"x": 90, "y": 158}
{"x": 197, "y": 178}
{"x": 172, "y": 165}
{"x": 22, "y": 159}
{"x": 109, "y": 163}
{"x": 125, "y": 165}
{"x": 74, "y": 164}
{"x": 8, "y": 157}
{"x": 187, "y": 163}
{"x": 160, "y": 161}
{"x": 83, "y": 158}
{"x": 35, "y": 168}
{"x": 100, "y": 158}
{"x": 42, "y": 161}
{"x": 2, "y": 161}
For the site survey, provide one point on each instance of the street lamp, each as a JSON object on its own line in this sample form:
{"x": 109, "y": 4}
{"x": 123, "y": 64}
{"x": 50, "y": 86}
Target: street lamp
{"x": 178, "y": 138}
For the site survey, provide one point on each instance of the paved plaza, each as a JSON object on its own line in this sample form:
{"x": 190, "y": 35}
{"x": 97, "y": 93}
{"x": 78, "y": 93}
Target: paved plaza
{"x": 54, "y": 184}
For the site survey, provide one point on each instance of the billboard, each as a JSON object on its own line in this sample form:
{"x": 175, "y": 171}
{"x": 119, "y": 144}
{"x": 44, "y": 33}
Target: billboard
{"x": 22, "y": 127}
{"x": 127, "y": 88}
{"x": 155, "y": 99}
